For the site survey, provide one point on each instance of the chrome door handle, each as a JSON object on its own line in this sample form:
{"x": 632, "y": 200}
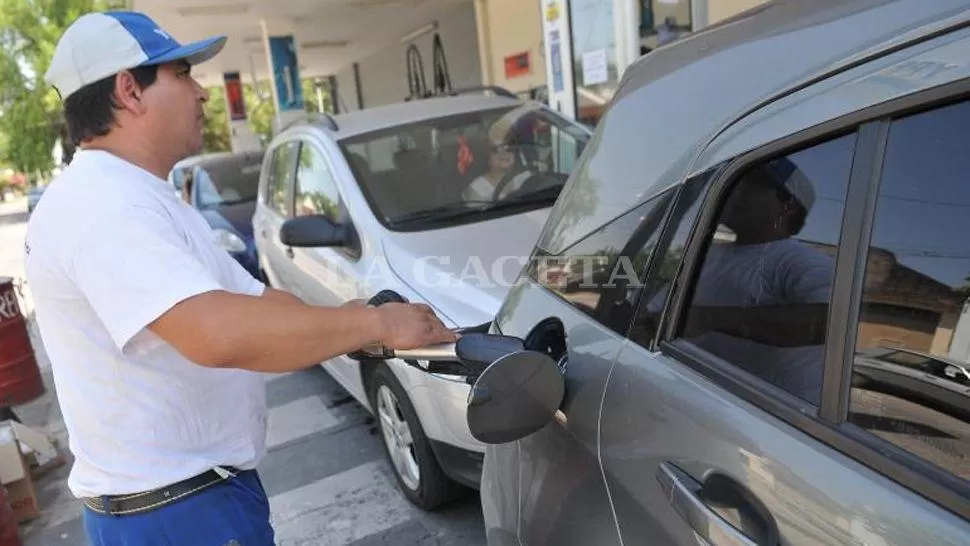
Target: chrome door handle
{"x": 693, "y": 501}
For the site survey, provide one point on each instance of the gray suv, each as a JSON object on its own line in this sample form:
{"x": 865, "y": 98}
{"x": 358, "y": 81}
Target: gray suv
{"x": 746, "y": 319}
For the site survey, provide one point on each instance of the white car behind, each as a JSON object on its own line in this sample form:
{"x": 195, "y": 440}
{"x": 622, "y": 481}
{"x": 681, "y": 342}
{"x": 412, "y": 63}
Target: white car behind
{"x": 379, "y": 199}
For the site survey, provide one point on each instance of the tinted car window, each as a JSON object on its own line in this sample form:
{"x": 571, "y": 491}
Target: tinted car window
{"x": 602, "y": 274}
{"x": 910, "y": 373}
{"x": 280, "y": 177}
{"x": 316, "y": 191}
{"x": 761, "y": 297}
{"x": 229, "y": 181}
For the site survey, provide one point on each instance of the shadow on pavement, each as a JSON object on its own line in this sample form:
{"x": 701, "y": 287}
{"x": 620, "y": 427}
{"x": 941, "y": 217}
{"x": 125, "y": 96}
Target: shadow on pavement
{"x": 18, "y": 217}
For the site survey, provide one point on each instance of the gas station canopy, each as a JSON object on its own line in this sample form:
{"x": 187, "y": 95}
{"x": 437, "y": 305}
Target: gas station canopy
{"x": 329, "y": 34}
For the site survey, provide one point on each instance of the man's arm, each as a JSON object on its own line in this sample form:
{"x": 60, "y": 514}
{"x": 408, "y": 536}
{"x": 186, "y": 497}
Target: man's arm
{"x": 137, "y": 273}
{"x": 280, "y": 295}
{"x": 278, "y": 333}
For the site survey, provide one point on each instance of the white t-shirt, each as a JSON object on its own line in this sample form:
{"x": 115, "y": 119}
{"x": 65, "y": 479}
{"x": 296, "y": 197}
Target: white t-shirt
{"x": 109, "y": 250}
{"x": 775, "y": 273}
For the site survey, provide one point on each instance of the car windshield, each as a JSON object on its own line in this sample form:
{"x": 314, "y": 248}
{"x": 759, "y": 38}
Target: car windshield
{"x": 465, "y": 167}
{"x": 227, "y": 182}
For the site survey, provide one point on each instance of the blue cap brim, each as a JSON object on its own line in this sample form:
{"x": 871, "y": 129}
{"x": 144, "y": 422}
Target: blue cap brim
{"x": 194, "y": 53}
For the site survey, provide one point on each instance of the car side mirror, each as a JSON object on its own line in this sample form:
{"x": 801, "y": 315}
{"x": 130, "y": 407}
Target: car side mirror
{"x": 514, "y": 397}
{"x": 314, "y": 231}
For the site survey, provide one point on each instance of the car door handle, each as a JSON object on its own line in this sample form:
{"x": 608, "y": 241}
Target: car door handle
{"x": 289, "y": 252}
{"x": 706, "y": 506}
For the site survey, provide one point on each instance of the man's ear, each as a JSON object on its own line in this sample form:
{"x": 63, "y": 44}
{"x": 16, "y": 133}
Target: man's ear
{"x": 129, "y": 94}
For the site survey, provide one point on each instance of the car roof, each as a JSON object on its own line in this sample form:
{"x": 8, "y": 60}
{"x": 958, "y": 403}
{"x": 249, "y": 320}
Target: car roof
{"x": 351, "y": 124}
{"x": 220, "y": 157}
{"x": 723, "y": 66}
{"x": 672, "y": 104}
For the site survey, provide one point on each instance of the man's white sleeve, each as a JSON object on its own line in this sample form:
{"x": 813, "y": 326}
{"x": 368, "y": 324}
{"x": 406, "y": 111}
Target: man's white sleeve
{"x": 132, "y": 266}
{"x": 242, "y": 280}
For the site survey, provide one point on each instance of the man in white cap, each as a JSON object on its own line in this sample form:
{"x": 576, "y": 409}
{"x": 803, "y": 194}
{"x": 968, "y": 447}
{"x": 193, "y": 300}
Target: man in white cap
{"x": 154, "y": 333}
{"x": 761, "y": 301}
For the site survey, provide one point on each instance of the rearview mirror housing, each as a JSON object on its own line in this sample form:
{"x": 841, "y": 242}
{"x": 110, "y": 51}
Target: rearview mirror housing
{"x": 315, "y": 231}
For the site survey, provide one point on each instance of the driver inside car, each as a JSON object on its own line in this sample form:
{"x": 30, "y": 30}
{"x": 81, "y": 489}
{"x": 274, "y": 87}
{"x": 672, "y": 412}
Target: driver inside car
{"x": 503, "y": 163}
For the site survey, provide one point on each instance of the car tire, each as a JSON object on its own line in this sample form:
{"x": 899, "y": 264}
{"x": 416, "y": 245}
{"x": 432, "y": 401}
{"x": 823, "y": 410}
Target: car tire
{"x": 416, "y": 469}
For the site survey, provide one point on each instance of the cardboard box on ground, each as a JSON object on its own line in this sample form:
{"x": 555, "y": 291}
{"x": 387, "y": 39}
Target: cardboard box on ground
{"x": 25, "y": 454}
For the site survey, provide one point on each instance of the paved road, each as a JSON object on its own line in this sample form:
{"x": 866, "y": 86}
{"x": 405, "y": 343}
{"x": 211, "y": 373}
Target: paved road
{"x": 328, "y": 480}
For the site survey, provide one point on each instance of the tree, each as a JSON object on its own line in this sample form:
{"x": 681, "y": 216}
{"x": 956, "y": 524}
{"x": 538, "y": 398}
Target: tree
{"x": 31, "y": 119}
{"x": 259, "y": 112}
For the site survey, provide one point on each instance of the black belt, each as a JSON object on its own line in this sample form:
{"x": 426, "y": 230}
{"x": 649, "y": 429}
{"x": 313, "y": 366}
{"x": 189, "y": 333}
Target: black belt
{"x": 120, "y": 505}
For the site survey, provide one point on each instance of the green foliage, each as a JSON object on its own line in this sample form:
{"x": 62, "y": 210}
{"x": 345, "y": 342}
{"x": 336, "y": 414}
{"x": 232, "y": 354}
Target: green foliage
{"x": 30, "y": 110}
{"x": 31, "y": 118}
{"x": 259, "y": 112}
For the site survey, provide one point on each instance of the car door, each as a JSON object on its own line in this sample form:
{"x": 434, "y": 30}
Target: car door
{"x": 273, "y": 210}
{"x": 729, "y": 416}
{"x": 576, "y": 306}
{"x": 324, "y": 275}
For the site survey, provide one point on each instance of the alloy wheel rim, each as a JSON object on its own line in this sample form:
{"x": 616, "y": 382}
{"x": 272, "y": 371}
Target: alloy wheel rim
{"x": 397, "y": 437}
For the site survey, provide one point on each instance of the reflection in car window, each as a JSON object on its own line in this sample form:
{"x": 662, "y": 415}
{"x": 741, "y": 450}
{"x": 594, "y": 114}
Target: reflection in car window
{"x": 761, "y": 298}
{"x": 279, "y": 177}
{"x": 913, "y": 339}
{"x": 602, "y": 274}
{"x": 316, "y": 191}
{"x": 463, "y": 159}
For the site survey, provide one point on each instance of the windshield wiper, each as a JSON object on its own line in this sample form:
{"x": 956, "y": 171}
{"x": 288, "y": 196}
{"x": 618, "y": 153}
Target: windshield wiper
{"x": 442, "y": 212}
{"x": 460, "y": 209}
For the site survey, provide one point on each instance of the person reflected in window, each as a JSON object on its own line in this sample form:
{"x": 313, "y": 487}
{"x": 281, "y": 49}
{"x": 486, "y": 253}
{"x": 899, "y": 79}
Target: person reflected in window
{"x": 761, "y": 301}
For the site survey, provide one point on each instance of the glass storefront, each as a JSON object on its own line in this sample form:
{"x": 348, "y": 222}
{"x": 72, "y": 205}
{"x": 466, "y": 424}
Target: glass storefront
{"x": 602, "y": 38}
{"x": 662, "y": 21}
{"x": 594, "y": 56}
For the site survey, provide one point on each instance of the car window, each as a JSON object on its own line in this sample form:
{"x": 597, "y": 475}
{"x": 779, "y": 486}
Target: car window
{"x": 422, "y": 173}
{"x": 762, "y": 290}
{"x": 909, "y": 383}
{"x": 280, "y": 177}
{"x": 228, "y": 182}
{"x": 602, "y": 274}
{"x": 316, "y": 190}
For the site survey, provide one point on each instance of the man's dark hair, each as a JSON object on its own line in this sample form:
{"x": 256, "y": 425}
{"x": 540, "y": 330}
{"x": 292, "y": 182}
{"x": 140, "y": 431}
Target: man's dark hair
{"x": 90, "y": 111}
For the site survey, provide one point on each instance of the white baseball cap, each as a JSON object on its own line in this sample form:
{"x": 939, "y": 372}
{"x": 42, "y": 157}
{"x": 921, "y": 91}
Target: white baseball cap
{"x": 98, "y": 45}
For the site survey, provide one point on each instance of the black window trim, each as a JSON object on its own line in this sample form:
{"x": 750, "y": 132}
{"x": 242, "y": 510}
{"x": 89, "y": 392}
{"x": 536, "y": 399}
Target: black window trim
{"x": 826, "y": 423}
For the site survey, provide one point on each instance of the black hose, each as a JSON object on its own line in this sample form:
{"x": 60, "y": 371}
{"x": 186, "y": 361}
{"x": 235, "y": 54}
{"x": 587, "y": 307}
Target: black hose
{"x": 442, "y": 78}
{"x": 417, "y": 85}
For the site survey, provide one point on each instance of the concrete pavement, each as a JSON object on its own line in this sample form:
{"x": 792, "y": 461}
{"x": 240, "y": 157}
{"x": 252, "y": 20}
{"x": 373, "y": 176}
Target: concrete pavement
{"x": 326, "y": 474}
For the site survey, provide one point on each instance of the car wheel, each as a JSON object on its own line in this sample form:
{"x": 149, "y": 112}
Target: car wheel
{"x": 412, "y": 458}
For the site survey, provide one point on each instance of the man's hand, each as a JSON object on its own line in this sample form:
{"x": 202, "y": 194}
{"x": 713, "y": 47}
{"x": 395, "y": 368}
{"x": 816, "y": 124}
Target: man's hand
{"x": 411, "y": 325}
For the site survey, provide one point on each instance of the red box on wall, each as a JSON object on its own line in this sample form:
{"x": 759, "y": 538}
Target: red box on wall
{"x": 517, "y": 65}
